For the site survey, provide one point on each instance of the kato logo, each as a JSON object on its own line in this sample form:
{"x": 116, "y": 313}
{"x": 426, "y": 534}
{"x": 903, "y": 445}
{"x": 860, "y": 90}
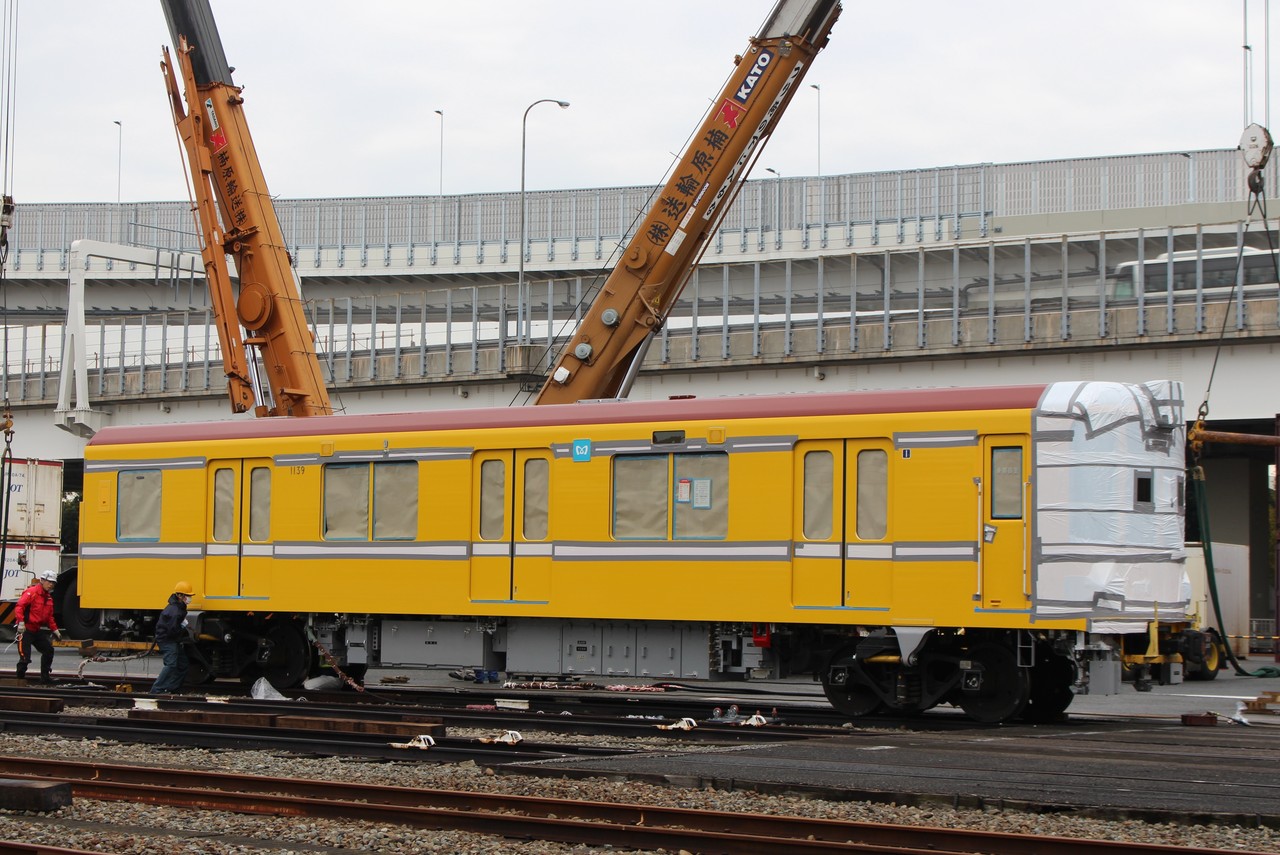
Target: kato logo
{"x": 753, "y": 76}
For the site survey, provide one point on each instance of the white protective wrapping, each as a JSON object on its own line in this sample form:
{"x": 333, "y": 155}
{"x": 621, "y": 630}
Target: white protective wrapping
{"x": 1102, "y": 552}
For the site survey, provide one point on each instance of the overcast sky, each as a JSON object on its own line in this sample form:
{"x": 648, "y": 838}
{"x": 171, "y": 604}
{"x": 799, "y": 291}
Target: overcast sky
{"x": 341, "y": 96}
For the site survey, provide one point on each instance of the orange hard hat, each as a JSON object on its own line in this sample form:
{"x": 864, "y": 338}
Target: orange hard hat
{"x": 183, "y": 588}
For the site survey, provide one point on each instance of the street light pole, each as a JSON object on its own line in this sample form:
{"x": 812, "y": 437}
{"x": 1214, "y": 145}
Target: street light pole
{"x": 440, "y": 113}
{"x": 119, "y": 169}
{"x": 818, "y": 89}
{"x": 524, "y": 127}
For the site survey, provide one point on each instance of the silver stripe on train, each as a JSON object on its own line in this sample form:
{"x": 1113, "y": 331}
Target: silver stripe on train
{"x": 375, "y": 456}
{"x": 890, "y": 551}
{"x": 372, "y": 551}
{"x": 958, "y": 551}
{"x": 935, "y": 439}
{"x": 248, "y": 550}
{"x": 502, "y": 549}
{"x": 649, "y": 551}
{"x": 869, "y": 551}
{"x": 741, "y": 444}
{"x": 142, "y": 550}
{"x": 130, "y": 465}
{"x": 816, "y": 550}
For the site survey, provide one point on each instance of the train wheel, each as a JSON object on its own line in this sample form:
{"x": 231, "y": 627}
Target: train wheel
{"x": 855, "y": 700}
{"x": 1002, "y": 688}
{"x": 198, "y": 673}
{"x": 851, "y": 697}
{"x": 1208, "y": 669}
{"x": 290, "y": 660}
{"x": 1051, "y": 694}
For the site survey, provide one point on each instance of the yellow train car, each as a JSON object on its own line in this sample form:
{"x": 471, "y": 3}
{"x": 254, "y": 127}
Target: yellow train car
{"x": 999, "y": 549}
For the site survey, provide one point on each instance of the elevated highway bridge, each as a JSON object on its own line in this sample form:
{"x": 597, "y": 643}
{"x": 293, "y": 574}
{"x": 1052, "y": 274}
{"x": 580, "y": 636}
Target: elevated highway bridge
{"x": 1126, "y": 268}
{"x": 969, "y": 275}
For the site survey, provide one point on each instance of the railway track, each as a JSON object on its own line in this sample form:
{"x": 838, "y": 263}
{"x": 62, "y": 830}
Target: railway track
{"x": 298, "y": 741}
{"x": 523, "y": 817}
{"x": 669, "y": 700}
{"x": 478, "y": 711}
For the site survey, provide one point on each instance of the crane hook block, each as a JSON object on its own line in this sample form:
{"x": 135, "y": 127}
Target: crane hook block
{"x": 1255, "y": 145}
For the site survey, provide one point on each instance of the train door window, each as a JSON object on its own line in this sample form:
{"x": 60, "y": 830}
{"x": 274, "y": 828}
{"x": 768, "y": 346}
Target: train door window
{"x": 493, "y": 499}
{"x": 260, "y": 503}
{"x": 537, "y": 490}
{"x": 873, "y": 494}
{"x": 346, "y": 501}
{"x": 395, "y": 501}
{"x": 1006, "y": 483}
{"x": 640, "y": 497}
{"x": 224, "y": 504}
{"x": 138, "y": 505}
{"x": 1143, "y": 490}
{"x": 701, "y": 496}
{"x": 819, "y": 493}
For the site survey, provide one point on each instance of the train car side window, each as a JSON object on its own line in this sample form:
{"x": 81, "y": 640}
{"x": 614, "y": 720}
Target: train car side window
{"x": 537, "y": 491}
{"x": 260, "y": 503}
{"x": 1006, "y": 483}
{"x": 224, "y": 504}
{"x": 640, "y": 497}
{"x": 395, "y": 501}
{"x": 873, "y": 494}
{"x": 819, "y": 492}
{"x": 702, "y": 496}
{"x": 493, "y": 499}
{"x": 346, "y": 501}
{"x": 138, "y": 505}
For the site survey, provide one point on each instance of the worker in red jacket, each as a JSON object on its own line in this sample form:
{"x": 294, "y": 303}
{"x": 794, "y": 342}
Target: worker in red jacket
{"x": 35, "y": 623}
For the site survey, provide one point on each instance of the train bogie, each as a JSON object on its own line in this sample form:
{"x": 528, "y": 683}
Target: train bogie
{"x": 982, "y": 548}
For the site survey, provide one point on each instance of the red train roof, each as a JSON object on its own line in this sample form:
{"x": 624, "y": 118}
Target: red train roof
{"x": 606, "y": 412}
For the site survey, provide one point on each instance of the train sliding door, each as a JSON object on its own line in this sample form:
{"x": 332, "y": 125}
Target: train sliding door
{"x": 843, "y": 555}
{"x": 817, "y": 568}
{"x": 238, "y": 530}
{"x": 510, "y": 547}
{"x": 868, "y": 549}
{"x": 1005, "y": 541}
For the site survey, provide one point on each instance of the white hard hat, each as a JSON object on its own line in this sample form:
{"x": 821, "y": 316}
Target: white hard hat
{"x": 48, "y": 576}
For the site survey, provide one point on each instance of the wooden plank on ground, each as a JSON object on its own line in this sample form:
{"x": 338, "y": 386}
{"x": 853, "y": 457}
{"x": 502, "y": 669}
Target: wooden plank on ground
{"x": 34, "y": 795}
{"x": 353, "y": 725}
{"x": 199, "y": 717}
{"x": 91, "y": 647}
{"x": 24, "y": 703}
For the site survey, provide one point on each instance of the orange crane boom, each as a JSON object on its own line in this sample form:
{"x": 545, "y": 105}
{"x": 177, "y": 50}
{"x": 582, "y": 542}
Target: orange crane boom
{"x": 268, "y": 350}
{"x": 609, "y": 344}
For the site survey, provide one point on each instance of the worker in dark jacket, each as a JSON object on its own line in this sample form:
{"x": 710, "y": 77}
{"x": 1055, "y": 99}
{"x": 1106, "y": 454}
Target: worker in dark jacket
{"x": 35, "y": 623}
{"x": 171, "y": 630}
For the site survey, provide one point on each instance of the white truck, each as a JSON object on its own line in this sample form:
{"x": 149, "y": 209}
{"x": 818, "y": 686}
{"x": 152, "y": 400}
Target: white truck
{"x": 32, "y": 528}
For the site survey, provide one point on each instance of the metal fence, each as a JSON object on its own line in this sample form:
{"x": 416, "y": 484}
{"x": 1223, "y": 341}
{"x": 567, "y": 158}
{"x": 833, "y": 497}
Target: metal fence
{"x": 899, "y": 206}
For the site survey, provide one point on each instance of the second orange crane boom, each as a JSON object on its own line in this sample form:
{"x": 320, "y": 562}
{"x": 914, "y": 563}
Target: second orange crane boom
{"x": 635, "y": 300}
